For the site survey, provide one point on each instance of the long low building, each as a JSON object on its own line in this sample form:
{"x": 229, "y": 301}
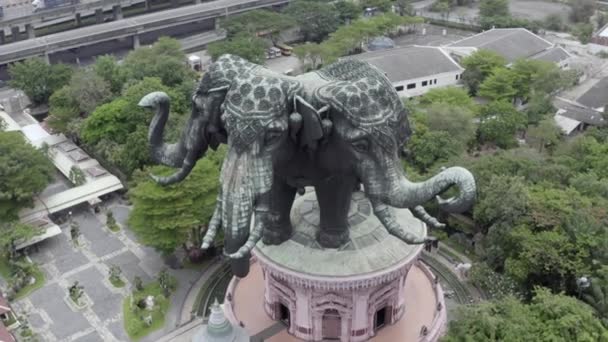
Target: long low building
{"x": 414, "y": 70}
{"x": 67, "y": 158}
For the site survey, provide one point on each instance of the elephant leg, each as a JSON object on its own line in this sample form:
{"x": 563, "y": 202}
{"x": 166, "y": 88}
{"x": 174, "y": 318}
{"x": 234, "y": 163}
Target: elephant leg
{"x": 334, "y": 198}
{"x": 279, "y": 229}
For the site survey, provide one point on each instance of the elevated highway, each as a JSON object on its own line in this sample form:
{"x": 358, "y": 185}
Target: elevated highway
{"x": 133, "y": 29}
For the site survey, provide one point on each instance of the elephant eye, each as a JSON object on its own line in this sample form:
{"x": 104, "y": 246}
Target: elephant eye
{"x": 272, "y": 137}
{"x": 361, "y": 145}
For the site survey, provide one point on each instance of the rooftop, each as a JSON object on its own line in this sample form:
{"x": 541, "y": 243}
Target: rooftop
{"x": 597, "y": 96}
{"x": 511, "y": 43}
{"x": 555, "y": 54}
{"x": 578, "y": 112}
{"x": 410, "y": 62}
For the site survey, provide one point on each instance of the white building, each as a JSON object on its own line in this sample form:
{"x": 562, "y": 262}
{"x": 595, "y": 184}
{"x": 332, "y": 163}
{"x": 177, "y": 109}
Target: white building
{"x": 414, "y": 70}
{"x": 512, "y": 44}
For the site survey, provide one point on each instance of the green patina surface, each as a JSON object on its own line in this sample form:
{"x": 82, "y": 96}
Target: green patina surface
{"x": 370, "y": 249}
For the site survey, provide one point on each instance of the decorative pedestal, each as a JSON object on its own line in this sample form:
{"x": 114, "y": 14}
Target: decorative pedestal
{"x": 347, "y": 294}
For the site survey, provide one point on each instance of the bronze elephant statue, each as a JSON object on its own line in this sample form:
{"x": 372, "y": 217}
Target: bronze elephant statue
{"x": 332, "y": 129}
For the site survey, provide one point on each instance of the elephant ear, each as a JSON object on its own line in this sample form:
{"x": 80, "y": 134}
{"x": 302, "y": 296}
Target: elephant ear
{"x": 306, "y": 124}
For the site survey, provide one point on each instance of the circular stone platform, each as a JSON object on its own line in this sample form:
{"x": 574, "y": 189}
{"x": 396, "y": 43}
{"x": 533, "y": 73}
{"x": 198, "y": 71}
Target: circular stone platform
{"x": 346, "y": 294}
{"x": 371, "y": 248}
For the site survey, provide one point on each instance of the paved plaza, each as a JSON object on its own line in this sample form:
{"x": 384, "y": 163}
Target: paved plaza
{"x": 48, "y": 311}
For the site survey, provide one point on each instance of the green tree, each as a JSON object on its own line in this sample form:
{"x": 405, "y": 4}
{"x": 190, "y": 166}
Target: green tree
{"x": 164, "y": 59}
{"x": 457, "y": 121}
{"x": 63, "y": 110}
{"x": 583, "y": 31}
{"x": 544, "y": 135}
{"x": 313, "y": 55}
{"x": 539, "y": 106}
{"x": 118, "y": 130}
{"x": 25, "y": 173}
{"x": 597, "y": 294}
{"x": 549, "y": 317}
{"x": 315, "y": 19}
{"x": 449, "y": 96}
{"x": 494, "y": 8}
{"x": 478, "y": 66}
{"x": 37, "y": 79}
{"x": 554, "y": 22}
{"x": 347, "y": 11}
{"x": 257, "y": 23}
{"x": 582, "y": 10}
{"x": 404, "y": 7}
{"x": 428, "y": 147}
{"x": 499, "y": 86}
{"x": 11, "y": 234}
{"x": 89, "y": 90}
{"x": 499, "y": 123}
{"x": 382, "y": 5}
{"x": 547, "y": 258}
{"x": 108, "y": 68}
{"x": 243, "y": 45}
{"x": 164, "y": 217}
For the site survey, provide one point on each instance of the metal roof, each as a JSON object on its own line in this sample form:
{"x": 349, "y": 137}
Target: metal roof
{"x": 511, "y": 43}
{"x": 578, "y": 112}
{"x": 555, "y": 54}
{"x": 597, "y": 96}
{"x": 410, "y": 62}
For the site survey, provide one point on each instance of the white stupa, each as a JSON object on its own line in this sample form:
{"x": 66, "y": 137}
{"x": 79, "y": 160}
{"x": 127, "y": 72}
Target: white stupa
{"x": 219, "y": 329}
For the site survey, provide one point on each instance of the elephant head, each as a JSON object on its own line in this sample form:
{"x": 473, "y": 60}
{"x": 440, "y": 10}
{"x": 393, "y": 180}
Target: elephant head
{"x": 367, "y": 114}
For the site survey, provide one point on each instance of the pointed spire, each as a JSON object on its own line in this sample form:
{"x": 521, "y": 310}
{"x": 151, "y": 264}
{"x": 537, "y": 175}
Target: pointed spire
{"x": 218, "y": 324}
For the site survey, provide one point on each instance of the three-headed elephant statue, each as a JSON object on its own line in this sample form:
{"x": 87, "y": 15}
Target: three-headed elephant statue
{"x": 332, "y": 129}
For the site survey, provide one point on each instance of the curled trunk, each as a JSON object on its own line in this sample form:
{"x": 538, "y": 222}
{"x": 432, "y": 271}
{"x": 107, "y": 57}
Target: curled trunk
{"x": 406, "y": 194}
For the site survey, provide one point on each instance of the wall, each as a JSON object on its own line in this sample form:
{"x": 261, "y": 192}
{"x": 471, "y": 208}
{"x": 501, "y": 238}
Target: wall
{"x": 443, "y": 80}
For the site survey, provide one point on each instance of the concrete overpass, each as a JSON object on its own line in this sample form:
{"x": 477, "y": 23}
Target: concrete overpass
{"x": 74, "y": 12}
{"x": 140, "y": 29}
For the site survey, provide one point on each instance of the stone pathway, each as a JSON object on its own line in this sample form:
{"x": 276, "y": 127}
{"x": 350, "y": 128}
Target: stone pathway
{"x": 48, "y": 311}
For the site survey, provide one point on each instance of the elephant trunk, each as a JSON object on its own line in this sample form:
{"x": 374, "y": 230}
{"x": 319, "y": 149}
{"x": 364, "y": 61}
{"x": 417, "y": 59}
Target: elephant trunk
{"x": 406, "y": 194}
{"x": 183, "y": 154}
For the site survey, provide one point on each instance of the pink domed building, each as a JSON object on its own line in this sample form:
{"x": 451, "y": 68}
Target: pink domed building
{"x": 373, "y": 288}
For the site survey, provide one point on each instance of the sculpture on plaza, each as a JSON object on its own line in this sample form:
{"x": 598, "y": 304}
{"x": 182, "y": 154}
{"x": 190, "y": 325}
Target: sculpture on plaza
{"x": 332, "y": 129}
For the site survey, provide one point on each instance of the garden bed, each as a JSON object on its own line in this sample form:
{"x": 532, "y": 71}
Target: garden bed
{"x": 134, "y": 323}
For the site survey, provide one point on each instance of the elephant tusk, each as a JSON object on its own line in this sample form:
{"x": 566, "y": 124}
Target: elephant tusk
{"x": 254, "y": 236}
{"x": 420, "y": 213}
{"x": 386, "y": 217}
{"x": 214, "y": 225}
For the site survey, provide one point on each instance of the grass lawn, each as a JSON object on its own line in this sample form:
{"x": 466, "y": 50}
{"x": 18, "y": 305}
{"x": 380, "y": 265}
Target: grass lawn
{"x": 33, "y": 287}
{"x": 114, "y": 227}
{"x": 117, "y": 282}
{"x": 5, "y": 270}
{"x": 133, "y": 322}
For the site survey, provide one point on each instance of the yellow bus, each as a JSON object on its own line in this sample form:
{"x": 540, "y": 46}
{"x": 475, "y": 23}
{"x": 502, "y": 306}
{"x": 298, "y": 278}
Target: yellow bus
{"x": 286, "y": 50}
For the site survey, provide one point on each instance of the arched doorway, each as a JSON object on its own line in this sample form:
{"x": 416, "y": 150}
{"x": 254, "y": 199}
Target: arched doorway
{"x": 332, "y": 325}
{"x": 284, "y": 315}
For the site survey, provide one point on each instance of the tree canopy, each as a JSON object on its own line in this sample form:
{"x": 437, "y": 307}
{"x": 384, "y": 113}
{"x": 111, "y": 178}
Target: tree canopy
{"x": 25, "y": 172}
{"x": 166, "y": 217}
{"x": 244, "y": 45}
{"x": 315, "y": 19}
{"x": 257, "y": 23}
{"x": 37, "y": 79}
{"x": 549, "y": 317}
{"x": 478, "y": 66}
